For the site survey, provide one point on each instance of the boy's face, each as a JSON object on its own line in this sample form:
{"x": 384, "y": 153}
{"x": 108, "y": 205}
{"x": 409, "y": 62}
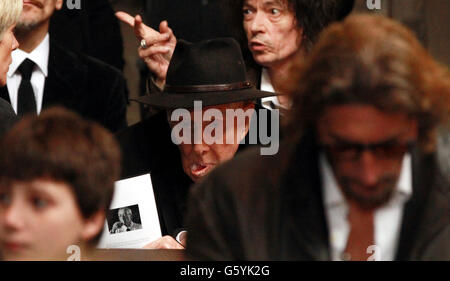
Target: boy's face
{"x": 39, "y": 220}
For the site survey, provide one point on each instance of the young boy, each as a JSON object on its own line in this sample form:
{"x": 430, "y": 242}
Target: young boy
{"x": 57, "y": 174}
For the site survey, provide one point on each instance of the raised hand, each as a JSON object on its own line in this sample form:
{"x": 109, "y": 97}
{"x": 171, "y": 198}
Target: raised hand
{"x": 159, "y": 45}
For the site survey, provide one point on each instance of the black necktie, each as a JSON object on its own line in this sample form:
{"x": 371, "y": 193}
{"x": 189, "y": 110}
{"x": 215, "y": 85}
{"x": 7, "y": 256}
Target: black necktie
{"x": 26, "y": 102}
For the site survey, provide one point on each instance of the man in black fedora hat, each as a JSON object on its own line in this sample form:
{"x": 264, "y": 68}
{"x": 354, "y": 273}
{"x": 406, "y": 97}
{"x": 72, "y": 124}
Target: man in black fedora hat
{"x": 206, "y": 92}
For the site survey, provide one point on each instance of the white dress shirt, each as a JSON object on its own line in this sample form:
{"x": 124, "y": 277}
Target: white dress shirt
{"x": 387, "y": 218}
{"x": 267, "y": 86}
{"x": 40, "y": 57}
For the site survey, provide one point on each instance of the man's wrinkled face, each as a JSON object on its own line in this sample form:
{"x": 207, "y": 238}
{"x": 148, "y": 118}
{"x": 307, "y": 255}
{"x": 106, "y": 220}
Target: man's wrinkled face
{"x": 38, "y": 220}
{"x": 200, "y": 159}
{"x": 37, "y": 12}
{"x": 7, "y": 44}
{"x": 272, "y": 32}
{"x": 365, "y": 148}
{"x": 125, "y": 216}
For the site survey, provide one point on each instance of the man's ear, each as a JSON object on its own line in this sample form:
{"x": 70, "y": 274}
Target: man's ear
{"x": 93, "y": 225}
{"x": 59, "y": 4}
{"x": 247, "y": 106}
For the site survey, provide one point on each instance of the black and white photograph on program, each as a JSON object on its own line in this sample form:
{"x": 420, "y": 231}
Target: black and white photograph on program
{"x": 124, "y": 219}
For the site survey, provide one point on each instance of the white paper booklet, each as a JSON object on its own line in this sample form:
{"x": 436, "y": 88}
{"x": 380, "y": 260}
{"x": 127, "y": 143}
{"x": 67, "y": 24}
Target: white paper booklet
{"x": 133, "y": 220}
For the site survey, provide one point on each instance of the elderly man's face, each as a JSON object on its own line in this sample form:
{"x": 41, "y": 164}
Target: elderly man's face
{"x": 200, "y": 159}
{"x": 368, "y": 177}
{"x": 125, "y": 216}
{"x": 37, "y": 12}
{"x": 272, "y": 32}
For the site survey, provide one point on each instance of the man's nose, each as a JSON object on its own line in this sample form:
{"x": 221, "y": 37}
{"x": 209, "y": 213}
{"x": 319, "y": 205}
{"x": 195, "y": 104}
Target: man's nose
{"x": 258, "y": 23}
{"x": 201, "y": 148}
{"x": 368, "y": 167}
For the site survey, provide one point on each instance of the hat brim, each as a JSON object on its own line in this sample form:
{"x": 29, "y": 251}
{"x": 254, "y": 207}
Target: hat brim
{"x": 172, "y": 101}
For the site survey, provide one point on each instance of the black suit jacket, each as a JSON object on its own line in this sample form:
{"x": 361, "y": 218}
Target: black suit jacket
{"x": 7, "y": 117}
{"x": 85, "y": 85}
{"x": 271, "y": 208}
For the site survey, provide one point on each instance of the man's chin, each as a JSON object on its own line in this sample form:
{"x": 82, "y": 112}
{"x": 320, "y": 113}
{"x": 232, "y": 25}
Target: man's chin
{"x": 369, "y": 197}
{"x": 262, "y": 59}
{"x": 26, "y": 25}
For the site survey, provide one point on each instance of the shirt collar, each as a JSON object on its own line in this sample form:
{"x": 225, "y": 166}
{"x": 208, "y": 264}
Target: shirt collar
{"x": 404, "y": 184}
{"x": 333, "y": 195}
{"x": 39, "y": 56}
{"x": 266, "y": 85}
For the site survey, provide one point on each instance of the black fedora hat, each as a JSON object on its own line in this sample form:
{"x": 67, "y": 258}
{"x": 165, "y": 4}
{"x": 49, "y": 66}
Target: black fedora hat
{"x": 211, "y": 71}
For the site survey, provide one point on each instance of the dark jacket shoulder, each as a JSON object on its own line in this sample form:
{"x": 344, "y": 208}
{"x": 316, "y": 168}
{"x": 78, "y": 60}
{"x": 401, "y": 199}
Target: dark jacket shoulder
{"x": 7, "y": 117}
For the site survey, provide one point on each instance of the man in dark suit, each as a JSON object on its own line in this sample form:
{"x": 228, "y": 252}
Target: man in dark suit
{"x": 211, "y": 72}
{"x": 359, "y": 179}
{"x": 43, "y": 74}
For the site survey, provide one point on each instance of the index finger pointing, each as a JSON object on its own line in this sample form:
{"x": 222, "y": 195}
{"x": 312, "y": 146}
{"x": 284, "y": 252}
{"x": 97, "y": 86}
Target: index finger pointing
{"x": 126, "y": 18}
{"x": 139, "y": 27}
{"x": 143, "y": 31}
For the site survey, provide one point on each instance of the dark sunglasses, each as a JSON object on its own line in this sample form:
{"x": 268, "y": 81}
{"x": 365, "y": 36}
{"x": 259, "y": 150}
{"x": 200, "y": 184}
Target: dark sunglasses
{"x": 352, "y": 151}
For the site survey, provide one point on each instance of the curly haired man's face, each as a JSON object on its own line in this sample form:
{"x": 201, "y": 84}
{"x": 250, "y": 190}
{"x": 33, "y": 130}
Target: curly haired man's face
{"x": 272, "y": 32}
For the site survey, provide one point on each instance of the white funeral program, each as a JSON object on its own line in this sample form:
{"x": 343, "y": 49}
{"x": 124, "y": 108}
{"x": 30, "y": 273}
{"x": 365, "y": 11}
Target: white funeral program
{"x": 133, "y": 220}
